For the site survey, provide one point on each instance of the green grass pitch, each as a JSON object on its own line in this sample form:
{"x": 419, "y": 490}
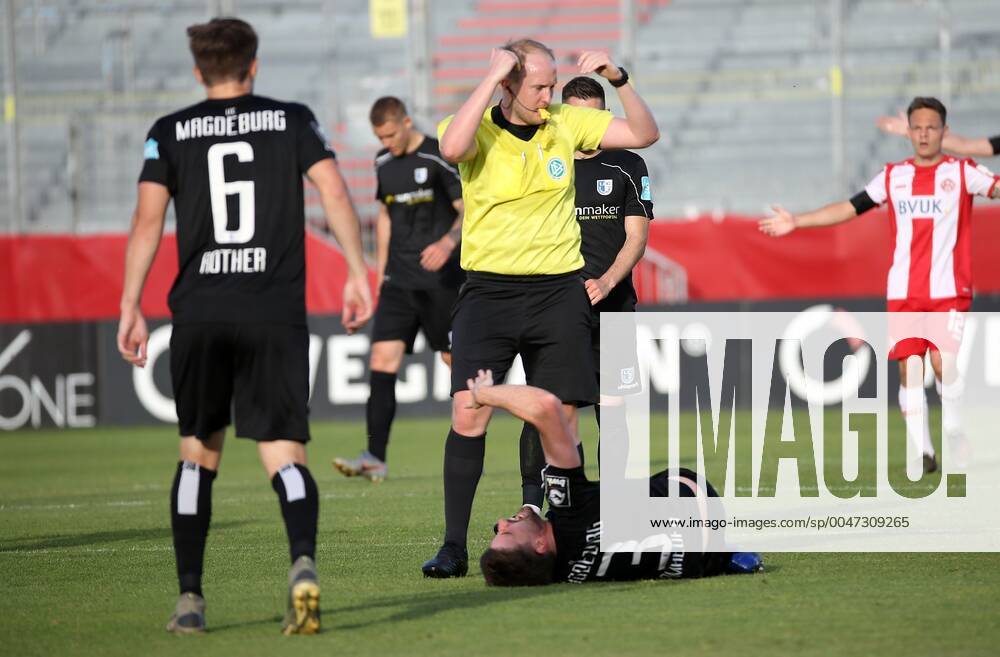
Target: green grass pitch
{"x": 87, "y": 568}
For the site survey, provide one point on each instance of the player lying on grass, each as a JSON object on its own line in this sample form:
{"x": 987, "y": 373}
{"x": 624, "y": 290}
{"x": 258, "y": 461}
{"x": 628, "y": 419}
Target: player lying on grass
{"x": 930, "y": 205}
{"x": 565, "y": 546}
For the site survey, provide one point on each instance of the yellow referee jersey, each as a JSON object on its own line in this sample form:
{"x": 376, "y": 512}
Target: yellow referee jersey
{"x": 520, "y": 212}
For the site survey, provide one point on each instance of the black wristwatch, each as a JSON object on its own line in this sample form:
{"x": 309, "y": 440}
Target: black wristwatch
{"x": 622, "y": 81}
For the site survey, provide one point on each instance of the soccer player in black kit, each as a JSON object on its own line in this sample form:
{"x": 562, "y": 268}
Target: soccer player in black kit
{"x": 417, "y": 233}
{"x": 614, "y": 206}
{"x": 565, "y": 546}
{"x": 233, "y": 165}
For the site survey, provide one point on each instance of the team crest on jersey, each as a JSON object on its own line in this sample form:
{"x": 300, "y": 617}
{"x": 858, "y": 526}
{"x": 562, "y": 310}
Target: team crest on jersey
{"x": 557, "y": 490}
{"x": 557, "y": 168}
{"x": 420, "y": 175}
{"x": 604, "y": 187}
{"x": 628, "y": 376}
{"x": 947, "y": 185}
{"x": 151, "y": 149}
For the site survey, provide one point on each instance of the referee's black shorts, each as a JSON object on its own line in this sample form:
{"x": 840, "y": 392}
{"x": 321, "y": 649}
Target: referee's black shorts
{"x": 545, "y": 319}
{"x": 260, "y": 371}
{"x": 401, "y": 312}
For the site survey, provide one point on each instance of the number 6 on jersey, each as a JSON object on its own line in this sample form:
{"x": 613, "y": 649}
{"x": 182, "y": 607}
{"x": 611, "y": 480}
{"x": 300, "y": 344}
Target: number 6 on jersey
{"x": 220, "y": 189}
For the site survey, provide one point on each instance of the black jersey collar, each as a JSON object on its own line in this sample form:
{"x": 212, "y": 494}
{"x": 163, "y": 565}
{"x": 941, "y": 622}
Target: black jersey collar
{"x": 522, "y": 132}
{"x": 230, "y": 100}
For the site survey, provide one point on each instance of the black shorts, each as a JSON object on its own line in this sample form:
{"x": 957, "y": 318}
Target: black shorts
{"x": 546, "y": 319}
{"x": 622, "y": 376}
{"x": 401, "y": 312}
{"x": 260, "y": 371}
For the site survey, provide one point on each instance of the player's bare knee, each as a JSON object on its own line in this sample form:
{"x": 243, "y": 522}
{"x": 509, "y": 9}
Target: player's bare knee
{"x": 276, "y": 454}
{"x": 387, "y": 356}
{"x": 206, "y": 453}
{"x": 469, "y": 421}
{"x": 548, "y": 408}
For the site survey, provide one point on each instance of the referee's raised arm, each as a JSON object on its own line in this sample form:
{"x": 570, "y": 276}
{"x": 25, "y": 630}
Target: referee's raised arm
{"x": 638, "y": 129}
{"x": 458, "y": 143}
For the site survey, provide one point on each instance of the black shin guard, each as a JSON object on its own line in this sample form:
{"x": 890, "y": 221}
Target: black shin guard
{"x": 463, "y": 466}
{"x": 190, "y": 515}
{"x": 380, "y": 411}
{"x": 299, "y": 500}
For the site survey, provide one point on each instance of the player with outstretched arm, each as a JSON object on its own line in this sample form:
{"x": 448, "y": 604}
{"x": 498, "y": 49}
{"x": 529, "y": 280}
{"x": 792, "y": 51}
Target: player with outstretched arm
{"x": 929, "y": 197}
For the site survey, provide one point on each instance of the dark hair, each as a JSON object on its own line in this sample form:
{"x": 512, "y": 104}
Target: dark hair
{"x": 223, "y": 49}
{"x": 521, "y": 48}
{"x": 583, "y": 88}
{"x": 386, "y": 108}
{"x": 517, "y": 567}
{"x": 926, "y": 102}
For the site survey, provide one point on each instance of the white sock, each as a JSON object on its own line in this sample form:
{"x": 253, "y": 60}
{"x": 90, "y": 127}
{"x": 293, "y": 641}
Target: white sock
{"x": 913, "y": 404}
{"x": 951, "y": 408}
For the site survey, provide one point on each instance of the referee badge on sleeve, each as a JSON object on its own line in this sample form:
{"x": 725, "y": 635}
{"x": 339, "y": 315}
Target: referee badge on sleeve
{"x": 557, "y": 490}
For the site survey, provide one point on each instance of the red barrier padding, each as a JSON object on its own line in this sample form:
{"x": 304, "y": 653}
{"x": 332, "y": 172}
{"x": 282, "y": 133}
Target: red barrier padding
{"x": 52, "y": 278}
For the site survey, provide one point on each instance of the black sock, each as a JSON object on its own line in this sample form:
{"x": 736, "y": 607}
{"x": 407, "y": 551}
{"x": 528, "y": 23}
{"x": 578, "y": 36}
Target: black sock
{"x": 380, "y": 411}
{"x": 463, "y": 465}
{"x": 190, "y": 515}
{"x": 299, "y": 500}
{"x": 532, "y": 462}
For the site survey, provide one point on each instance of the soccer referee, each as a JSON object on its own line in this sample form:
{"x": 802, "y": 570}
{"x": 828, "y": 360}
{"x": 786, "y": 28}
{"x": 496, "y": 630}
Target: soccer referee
{"x": 614, "y": 206}
{"x": 521, "y": 250}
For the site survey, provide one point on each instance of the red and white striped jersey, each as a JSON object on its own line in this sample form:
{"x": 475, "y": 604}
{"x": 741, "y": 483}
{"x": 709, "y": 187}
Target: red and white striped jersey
{"x": 931, "y": 210}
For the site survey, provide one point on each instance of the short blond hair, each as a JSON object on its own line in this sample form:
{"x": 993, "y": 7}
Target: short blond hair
{"x": 521, "y": 48}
